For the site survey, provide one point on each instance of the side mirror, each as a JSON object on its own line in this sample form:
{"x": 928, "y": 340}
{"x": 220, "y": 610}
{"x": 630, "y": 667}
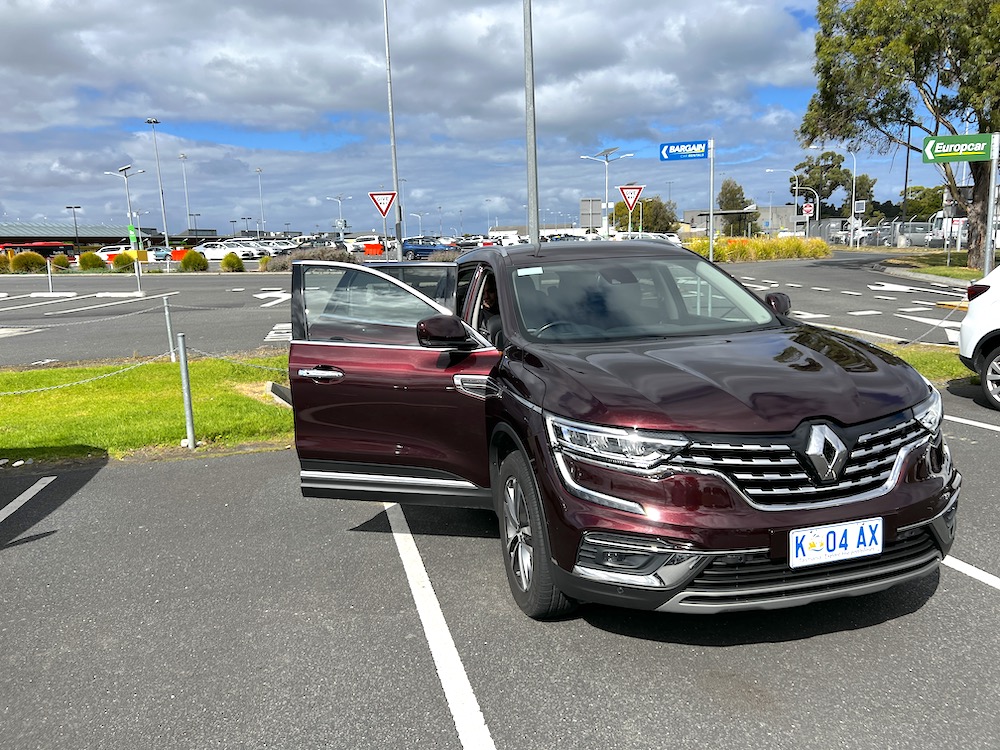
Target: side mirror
{"x": 780, "y": 302}
{"x": 444, "y": 332}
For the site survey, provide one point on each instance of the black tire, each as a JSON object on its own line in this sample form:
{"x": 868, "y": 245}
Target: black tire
{"x": 525, "y": 544}
{"x": 410, "y": 255}
{"x": 989, "y": 378}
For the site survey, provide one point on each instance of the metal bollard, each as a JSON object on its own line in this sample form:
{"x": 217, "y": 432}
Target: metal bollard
{"x": 170, "y": 332}
{"x": 186, "y": 388}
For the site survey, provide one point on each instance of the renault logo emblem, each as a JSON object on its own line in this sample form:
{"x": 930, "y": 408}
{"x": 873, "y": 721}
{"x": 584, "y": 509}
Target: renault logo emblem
{"x": 827, "y": 452}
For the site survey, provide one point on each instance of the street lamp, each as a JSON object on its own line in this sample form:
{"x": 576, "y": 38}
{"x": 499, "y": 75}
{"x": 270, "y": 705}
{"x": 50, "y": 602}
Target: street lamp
{"x": 195, "y": 217}
{"x": 187, "y": 203}
{"x": 340, "y": 211}
{"x": 420, "y": 223}
{"x": 153, "y": 122}
{"x": 76, "y": 231}
{"x": 233, "y": 222}
{"x": 605, "y": 156}
{"x": 260, "y": 193}
{"x": 796, "y": 176}
{"x": 123, "y": 173}
{"x": 246, "y": 222}
{"x": 854, "y": 189}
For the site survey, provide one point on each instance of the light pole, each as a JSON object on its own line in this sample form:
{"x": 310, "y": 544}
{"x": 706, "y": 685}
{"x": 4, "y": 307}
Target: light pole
{"x": 605, "y": 156}
{"x": 770, "y": 212}
{"x": 76, "y": 230}
{"x": 854, "y": 191}
{"x": 233, "y": 222}
{"x": 260, "y": 193}
{"x": 187, "y": 203}
{"x": 153, "y": 122}
{"x": 796, "y": 176}
{"x": 246, "y": 222}
{"x": 123, "y": 173}
{"x": 420, "y": 221}
{"x": 340, "y": 211}
{"x": 487, "y": 217}
{"x": 440, "y": 222}
{"x": 195, "y": 217}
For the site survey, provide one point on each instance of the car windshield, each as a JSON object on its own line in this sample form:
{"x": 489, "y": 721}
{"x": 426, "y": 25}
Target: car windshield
{"x": 623, "y": 298}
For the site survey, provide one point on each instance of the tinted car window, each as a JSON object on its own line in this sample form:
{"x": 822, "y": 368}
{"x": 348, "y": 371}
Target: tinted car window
{"x": 356, "y": 306}
{"x": 623, "y": 298}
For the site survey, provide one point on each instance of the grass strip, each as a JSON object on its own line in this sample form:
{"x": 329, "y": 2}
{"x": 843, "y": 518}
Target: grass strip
{"x": 139, "y": 409}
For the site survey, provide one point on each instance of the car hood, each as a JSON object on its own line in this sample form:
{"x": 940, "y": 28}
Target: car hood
{"x": 762, "y": 381}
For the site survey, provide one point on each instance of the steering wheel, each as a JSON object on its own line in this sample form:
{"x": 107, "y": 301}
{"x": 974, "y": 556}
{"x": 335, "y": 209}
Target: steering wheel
{"x": 554, "y": 324}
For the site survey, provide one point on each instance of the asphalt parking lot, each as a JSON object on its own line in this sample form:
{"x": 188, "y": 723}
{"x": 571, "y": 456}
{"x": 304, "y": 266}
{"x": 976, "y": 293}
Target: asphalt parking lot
{"x": 205, "y": 603}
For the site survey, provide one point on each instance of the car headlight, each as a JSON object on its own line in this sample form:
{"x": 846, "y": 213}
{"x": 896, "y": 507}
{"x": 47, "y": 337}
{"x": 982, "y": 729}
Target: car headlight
{"x": 930, "y": 412}
{"x": 613, "y": 446}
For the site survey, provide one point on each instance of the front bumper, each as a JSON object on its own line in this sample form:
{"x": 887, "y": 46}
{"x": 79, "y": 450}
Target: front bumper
{"x": 710, "y": 582}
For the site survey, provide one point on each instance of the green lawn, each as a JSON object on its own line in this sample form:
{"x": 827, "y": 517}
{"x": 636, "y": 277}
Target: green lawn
{"x": 139, "y": 409}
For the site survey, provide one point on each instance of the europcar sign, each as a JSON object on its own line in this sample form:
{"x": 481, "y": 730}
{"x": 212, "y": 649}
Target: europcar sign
{"x": 941, "y": 148}
{"x": 684, "y": 150}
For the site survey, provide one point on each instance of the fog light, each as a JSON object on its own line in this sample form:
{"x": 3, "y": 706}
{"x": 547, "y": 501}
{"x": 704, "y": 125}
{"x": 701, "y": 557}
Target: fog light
{"x": 634, "y": 561}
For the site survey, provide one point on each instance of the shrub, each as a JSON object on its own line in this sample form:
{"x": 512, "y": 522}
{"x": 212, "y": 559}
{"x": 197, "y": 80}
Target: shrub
{"x": 27, "y": 262}
{"x": 263, "y": 263}
{"x": 193, "y": 261}
{"x": 4, "y": 263}
{"x": 232, "y": 262}
{"x": 60, "y": 261}
{"x": 123, "y": 263}
{"x": 91, "y": 261}
{"x": 442, "y": 256}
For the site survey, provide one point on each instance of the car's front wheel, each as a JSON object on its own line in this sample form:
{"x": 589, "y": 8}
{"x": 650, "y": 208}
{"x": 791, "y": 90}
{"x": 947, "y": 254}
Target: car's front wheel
{"x": 527, "y": 559}
{"x": 410, "y": 255}
{"x": 989, "y": 378}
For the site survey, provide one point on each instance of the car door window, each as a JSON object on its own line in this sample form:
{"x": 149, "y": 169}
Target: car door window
{"x": 358, "y": 305}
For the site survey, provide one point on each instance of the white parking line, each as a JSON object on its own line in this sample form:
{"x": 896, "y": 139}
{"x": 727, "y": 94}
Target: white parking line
{"x": 39, "y": 304}
{"x": 820, "y": 289}
{"x": 972, "y": 423}
{"x": 980, "y": 575}
{"x": 111, "y": 304}
{"x": 472, "y": 730}
{"x": 24, "y": 497}
{"x": 865, "y": 312}
{"x": 852, "y": 294}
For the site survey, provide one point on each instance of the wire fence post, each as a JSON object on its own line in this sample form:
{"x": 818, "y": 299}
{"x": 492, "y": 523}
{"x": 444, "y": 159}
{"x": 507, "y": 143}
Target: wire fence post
{"x": 186, "y": 387}
{"x": 170, "y": 332}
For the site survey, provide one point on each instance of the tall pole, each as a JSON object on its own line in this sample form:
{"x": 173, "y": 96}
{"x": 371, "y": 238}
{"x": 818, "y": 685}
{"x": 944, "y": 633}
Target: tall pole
{"x": 260, "y": 193}
{"x": 854, "y": 192}
{"x": 76, "y": 230}
{"x": 605, "y": 156}
{"x": 123, "y": 173}
{"x": 531, "y": 146}
{"x": 153, "y": 122}
{"x": 233, "y": 222}
{"x": 187, "y": 203}
{"x": 398, "y": 213}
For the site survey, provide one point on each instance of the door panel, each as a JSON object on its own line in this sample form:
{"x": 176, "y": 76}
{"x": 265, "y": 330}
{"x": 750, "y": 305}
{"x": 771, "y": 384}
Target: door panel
{"x": 377, "y": 416}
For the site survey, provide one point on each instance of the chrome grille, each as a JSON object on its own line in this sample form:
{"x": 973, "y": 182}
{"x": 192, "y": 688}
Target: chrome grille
{"x": 773, "y": 472}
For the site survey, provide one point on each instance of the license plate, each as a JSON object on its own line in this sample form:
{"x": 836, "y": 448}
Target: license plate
{"x": 839, "y": 541}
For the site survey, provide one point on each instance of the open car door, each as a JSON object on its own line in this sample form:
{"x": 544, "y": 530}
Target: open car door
{"x": 386, "y": 409}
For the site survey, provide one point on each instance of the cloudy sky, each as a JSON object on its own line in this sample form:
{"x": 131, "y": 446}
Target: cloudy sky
{"x": 298, "y": 89}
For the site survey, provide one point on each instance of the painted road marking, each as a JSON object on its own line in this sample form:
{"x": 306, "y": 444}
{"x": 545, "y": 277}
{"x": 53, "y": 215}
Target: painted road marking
{"x": 6, "y": 333}
{"x": 24, "y": 497}
{"x": 865, "y": 312}
{"x": 852, "y": 294}
{"x": 110, "y": 304}
{"x": 469, "y": 721}
{"x": 39, "y": 304}
{"x": 280, "y": 332}
{"x": 820, "y": 289}
{"x": 882, "y": 296}
{"x": 915, "y": 309}
{"x": 980, "y": 575}
{"x": 808, "y": 315}
{"x": 932, "y": 321}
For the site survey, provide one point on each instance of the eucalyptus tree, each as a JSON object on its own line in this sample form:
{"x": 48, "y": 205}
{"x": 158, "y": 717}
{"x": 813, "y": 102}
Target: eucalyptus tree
{"x": 890, "y": 71}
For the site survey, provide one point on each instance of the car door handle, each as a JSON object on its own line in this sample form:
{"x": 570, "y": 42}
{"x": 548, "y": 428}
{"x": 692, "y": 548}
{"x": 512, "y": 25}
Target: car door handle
{"x": 319, "y": 374}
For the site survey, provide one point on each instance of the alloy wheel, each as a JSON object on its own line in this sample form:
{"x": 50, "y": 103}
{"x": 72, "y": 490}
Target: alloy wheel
{"x": 517, "y": 524}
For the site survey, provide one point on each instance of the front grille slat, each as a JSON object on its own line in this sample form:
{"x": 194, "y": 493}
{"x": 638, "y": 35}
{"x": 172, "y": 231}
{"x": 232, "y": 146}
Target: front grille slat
{"x": 770, "y": 471}
{"x": 759, "y": 579}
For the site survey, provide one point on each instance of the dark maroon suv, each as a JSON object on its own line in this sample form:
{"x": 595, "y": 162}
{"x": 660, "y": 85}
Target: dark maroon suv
{"x": 649, "y": 433}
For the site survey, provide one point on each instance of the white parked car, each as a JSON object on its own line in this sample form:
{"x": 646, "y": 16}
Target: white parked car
{"x": 979, "y": 336}
{"x": 218, "y": 250}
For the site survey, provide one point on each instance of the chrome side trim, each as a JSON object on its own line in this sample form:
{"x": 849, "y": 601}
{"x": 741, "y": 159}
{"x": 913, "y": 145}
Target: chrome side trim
{"x": 380, "y": 479}
{"x": 393, "y": 347}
